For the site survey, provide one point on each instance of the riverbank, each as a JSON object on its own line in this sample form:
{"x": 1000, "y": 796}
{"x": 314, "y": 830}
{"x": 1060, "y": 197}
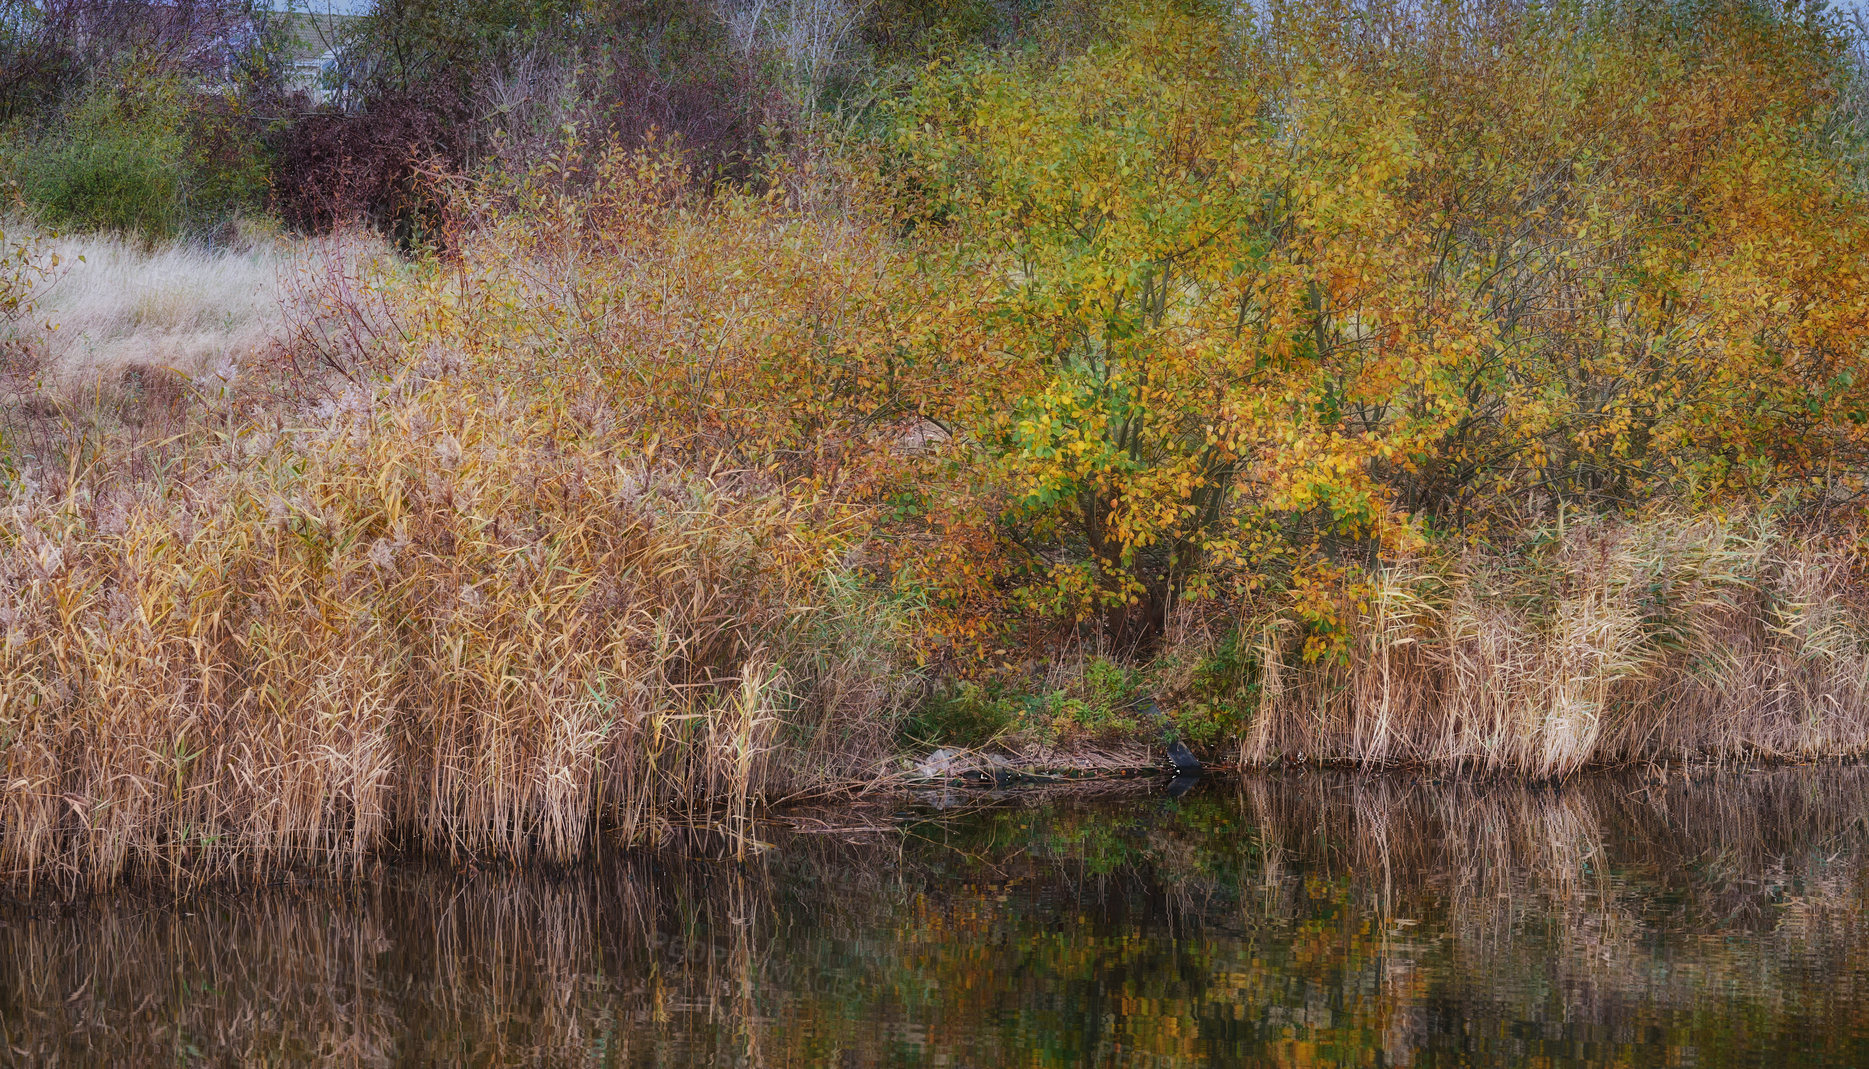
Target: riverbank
{"x": 299, "y": 648}
{"x": 298, "y": 635}
{"x": 1500, "y": 417}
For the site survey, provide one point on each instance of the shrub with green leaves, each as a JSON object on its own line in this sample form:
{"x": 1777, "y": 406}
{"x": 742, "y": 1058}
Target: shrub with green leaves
{"x": 112, "y": 164}
{"x": 141, "y": 153}
{"x": 1098, "y": 705}
{"x": 971, "y": 714}
{"x": 1222, "y": 695}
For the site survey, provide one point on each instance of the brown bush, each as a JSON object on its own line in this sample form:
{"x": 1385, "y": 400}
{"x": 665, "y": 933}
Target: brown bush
{"x": 333, "y": 166}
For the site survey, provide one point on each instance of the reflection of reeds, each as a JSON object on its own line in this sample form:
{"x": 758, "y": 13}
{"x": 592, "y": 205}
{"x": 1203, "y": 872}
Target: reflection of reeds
{"x": 419, "y": 968}
{"x": 1321, "y": 909}
{"x": 1488, "y": 855}
{"x": 1582, "y": 878}
{"x": 1615, "y": 643}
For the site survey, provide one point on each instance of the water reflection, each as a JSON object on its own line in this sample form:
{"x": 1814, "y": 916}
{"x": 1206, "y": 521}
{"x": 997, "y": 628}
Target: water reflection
{"x": 1303, "y": 920}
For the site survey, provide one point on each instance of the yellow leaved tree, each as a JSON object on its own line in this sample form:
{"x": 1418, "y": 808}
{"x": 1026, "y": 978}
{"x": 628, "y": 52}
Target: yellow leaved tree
{"x": 1178, "y": 263}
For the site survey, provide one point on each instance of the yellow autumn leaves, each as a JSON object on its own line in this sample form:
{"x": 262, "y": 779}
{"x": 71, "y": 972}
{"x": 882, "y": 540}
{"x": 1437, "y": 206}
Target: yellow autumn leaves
{"x": 1228, "y": 298}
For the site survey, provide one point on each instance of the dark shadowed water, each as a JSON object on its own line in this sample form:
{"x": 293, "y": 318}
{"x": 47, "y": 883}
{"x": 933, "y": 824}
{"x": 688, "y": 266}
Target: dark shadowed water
{"x": 1313, "y": 919}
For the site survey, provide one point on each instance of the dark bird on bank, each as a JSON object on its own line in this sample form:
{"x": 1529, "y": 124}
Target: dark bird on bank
{"x": 1186, "y": 764}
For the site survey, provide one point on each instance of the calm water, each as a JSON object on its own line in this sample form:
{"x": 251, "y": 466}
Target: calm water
{"x": 1302, "y": 920}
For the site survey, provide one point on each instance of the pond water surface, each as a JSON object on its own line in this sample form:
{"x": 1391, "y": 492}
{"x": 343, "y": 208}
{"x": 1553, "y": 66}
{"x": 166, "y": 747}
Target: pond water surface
{"x": 1309, "y": 919}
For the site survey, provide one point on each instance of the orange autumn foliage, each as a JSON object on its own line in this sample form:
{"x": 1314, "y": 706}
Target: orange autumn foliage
{"x": 1196, "y": 310}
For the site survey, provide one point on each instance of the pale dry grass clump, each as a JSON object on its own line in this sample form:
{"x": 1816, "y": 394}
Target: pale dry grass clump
{"x": 113, "y": 303}
{"x": 1605, "y": 642}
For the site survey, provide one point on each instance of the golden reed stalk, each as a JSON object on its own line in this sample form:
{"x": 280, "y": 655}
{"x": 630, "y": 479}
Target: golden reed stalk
{"x": 425, "y": 621}
{"x": 1662, "y": 639}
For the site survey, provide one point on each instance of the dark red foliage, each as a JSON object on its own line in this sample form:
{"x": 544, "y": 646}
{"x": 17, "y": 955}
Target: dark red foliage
{"x": 373, "y": 165}
{"x": 715, "y": 115}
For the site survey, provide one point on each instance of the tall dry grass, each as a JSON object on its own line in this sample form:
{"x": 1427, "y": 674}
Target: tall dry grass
{"x": 383, "y": 594}
{"x": 114, "y": 303}
{"x": 409, "y": 624}
{"x": 1604, "y": 642}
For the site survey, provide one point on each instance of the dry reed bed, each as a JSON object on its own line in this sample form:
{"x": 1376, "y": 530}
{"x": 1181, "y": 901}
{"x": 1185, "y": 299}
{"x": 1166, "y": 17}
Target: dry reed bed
{"x": 1602, "y": 643}
{"x": 431, "y": 618}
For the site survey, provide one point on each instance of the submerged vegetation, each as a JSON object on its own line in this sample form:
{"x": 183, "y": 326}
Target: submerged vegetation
{"x": 730, "y": 398}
